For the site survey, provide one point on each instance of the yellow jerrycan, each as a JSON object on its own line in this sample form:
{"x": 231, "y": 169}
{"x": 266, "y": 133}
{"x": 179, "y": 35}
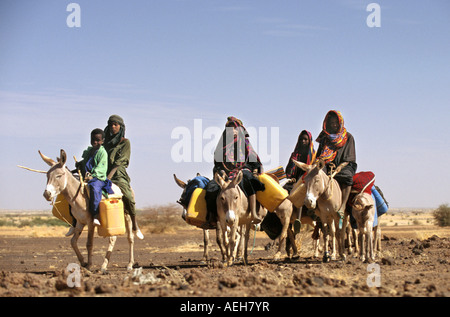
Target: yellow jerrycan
{"x": 273, "y": 195}
{"x": 112, "y": 218}
{"x": 196, "y": 211}
{"x": 61, "y": 209}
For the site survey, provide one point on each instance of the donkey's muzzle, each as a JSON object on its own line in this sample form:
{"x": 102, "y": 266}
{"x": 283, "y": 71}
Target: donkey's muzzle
{"x": 48, "y": 195}
{"x": 310, "y": 201}
{"x": 230, "y": 217}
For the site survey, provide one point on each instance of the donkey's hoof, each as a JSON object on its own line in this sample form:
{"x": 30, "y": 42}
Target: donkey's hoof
{"x": 277, "y": 256}
{"x": 130, "y": 267}
{"x": 104, "y": 271}
{"x": 86, "y": 265}
{"x": 326, "y": 258}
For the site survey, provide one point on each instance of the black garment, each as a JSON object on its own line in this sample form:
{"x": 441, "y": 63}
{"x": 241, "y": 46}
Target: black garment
{"x": 345, "y": 154}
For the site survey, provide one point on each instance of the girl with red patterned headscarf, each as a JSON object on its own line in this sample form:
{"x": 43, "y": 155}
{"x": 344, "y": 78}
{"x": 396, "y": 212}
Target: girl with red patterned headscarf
{"x": 303, "y": 152}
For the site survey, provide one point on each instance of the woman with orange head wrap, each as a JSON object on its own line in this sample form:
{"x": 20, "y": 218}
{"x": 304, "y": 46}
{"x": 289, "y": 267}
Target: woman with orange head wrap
{"x": 336, "y": 146}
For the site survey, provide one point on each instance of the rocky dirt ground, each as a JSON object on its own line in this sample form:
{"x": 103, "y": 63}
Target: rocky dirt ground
{"x": 168, "y": 265}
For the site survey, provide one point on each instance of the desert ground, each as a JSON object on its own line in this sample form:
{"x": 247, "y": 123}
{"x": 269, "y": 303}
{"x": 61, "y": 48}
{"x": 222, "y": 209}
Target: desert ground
{"x": 414, "y": 262}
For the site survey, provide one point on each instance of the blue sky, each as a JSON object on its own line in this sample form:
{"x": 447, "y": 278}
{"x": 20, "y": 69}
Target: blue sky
{"x": 274, "y": 64}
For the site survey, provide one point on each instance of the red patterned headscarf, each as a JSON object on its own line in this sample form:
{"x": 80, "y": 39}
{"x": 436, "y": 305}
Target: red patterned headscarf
{"x": 296, "y": 155}
{"x": 332, "y": 142}
{"x": 235, "y": 151}
{"x": 301, "y": 155}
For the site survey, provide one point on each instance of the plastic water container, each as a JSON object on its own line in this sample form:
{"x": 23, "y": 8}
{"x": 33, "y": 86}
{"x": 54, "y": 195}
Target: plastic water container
{"x": 273, "y": 195}
{"x": 375, "y": 217}
{"x": 382, "y": 208}
{"x": 112, "y": 218}
{"x": 196, "y": 211}
{"x": 298, "y": 194}
{"x": 61, "y": 209}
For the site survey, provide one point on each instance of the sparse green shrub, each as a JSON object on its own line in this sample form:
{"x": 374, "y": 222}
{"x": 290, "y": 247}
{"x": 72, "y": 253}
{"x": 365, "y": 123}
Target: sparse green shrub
{"x": 442, "y": 215}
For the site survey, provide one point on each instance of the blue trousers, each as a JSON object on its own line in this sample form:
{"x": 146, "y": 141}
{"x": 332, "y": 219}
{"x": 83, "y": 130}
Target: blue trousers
{"x": 95, "y": 194}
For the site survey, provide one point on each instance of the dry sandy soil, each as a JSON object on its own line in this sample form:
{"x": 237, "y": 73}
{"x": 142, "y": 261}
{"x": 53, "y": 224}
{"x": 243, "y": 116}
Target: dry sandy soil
{"x": 414, "y": 262}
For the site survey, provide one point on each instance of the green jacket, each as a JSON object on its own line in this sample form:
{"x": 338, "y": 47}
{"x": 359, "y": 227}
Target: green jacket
{"x": 100, "y": 162}
{"x": 119, "y": 157}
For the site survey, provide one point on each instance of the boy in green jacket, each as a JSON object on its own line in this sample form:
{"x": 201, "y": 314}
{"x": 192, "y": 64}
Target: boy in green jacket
{"x": 95, "y": 166}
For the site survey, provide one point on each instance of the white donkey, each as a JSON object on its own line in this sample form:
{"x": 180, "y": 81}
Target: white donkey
{"x": 233, "y": 210}
{"x": 324, "y": 195}
{"x": 61, "y": 180}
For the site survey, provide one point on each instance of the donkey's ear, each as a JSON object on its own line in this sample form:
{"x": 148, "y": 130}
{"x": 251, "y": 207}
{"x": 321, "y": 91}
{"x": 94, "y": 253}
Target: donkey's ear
{"x": 219, "y": 180}
{"x": 46, "y": 159}
{"x": 63, "y": 159}
{"x": 179, "y": 182}
{"x": 237, "y": 179}
{"x": 303, "y": 166}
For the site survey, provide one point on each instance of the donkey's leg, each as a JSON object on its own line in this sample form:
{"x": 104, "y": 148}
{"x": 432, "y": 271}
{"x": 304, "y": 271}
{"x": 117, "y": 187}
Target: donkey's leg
{"x": 332, "y": 234}
{"x": 219, "y": 240}
{"x": 239, "y": 246}
{"x": 130, "y": 237}
{"x": 74, "y": 242}
{"x": 361, "y": 244}
{"x": 90, "y": 243}
{"x": 371, "y": 254}
{"x": 232, "y": 244}
{"x": 246, "y": 236}
{"x": 355, "y": 241}
{"x": 284, "y": 214}
{"x": 225, "y": 242}
{"x": 316, "y": 245}
{"x": 281, "y": 241}
{"x": 326, "y": 239}
{"x": 341, "y": 235}
{"x": 112, "y": 242}
{"x": 205, "y": 245}
{"x": 348, "y": 235}
{"x": 316, "y": 238}
{"x": 290, "y": 242}
{"x": 377, "y": 240}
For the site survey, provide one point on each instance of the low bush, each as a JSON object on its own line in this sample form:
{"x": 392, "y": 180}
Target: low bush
{"x": 442, "y": 215}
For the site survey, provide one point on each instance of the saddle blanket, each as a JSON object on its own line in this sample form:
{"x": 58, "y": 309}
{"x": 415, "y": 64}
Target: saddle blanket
{"x": 278, "y": 172}
{"x": 363, "y": 181}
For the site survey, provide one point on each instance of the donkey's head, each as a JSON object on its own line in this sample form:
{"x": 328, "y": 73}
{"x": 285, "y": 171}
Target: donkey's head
{"x": 185, "y": 196}
{"x": 314, "y": 182}
{"x": 229, "y": 200}
{"x": 363, "y": 204}
{"x": 56, "y": 176}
